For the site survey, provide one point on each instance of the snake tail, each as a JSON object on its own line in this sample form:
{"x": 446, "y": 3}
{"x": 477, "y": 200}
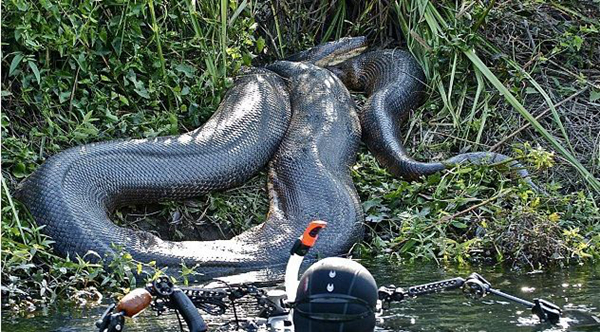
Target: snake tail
{"x": 395, "y": 84}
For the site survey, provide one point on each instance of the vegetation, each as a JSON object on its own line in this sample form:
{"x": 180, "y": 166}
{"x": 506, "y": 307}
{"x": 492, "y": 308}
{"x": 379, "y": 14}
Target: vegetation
{"x": 513, "y": 77}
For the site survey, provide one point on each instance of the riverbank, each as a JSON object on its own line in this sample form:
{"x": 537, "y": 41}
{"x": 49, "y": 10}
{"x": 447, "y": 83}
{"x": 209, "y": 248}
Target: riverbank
{"x": 97, "y": 71}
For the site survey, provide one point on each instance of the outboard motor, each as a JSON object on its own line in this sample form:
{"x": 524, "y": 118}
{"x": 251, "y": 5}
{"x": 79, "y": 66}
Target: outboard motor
{"x": 335, "y": 294}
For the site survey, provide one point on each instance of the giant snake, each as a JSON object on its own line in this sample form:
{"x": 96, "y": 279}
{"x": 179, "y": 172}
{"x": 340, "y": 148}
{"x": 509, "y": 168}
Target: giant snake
{"x": 296, "y": 116}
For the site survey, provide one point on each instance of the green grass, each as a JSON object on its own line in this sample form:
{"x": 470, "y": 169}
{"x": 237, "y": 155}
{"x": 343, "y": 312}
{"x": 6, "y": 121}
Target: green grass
{"x": 94, "y": 71}
{"x": 80, "y": 72}
{"x": 432, "y": 22}
{"x": 474, "y": 214}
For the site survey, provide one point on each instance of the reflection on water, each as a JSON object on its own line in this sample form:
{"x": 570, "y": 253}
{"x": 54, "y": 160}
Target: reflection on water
{"x": 575, "y": 289}
{"x": 450, "y": 311}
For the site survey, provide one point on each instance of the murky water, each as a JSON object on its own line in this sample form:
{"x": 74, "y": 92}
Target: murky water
{"x": 576, "y": 289}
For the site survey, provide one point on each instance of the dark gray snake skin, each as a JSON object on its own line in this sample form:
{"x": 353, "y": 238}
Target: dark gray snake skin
{"x": 73, "y": 193}
{"x": 311, "y": 144}
{"x": 395, "y": 85}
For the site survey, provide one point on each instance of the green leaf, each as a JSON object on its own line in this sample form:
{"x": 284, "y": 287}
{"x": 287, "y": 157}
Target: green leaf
{"x": 124, "y": 100}
{"x": 22, "y": 5}
{"x": 187, "y": 70}
{"x": 14, "y": 63}
{"x": 64, "y": 96}
{"x": 19, "y": 170}
{"x": 88, "y": 117}
{"x": 111, "y": 117}
{"x": 185, "y": 91}
{"x": 459, "y": 224}
{"x": 367, "y": 205}
{"x": 237, "y": 12}
{"x": 530, "y": 90}
{"x": 577, "y": 42}
{"x": 35, "y": 70}
{"x": 409, "y": 244}
{"x": 594, "y": 95}
{"x": 142, "y": 92}
{"x": 260, "y": 44}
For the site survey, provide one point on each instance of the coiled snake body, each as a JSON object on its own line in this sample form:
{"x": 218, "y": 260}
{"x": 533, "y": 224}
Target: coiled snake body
{"x": 297, "y": 115}
{"x": 73, "y": 193}
{"x": 395, "y": 84}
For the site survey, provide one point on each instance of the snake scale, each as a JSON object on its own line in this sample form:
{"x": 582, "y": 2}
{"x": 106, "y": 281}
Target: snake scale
{"x": 395, "y": 85}
{"x": 296, "y": 116}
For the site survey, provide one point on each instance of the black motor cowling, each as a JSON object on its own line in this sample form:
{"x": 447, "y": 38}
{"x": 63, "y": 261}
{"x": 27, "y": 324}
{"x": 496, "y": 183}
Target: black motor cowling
{"x": 336, "y": 294}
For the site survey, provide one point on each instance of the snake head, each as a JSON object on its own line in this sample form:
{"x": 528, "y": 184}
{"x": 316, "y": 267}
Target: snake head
{"x": 332, "y": 53}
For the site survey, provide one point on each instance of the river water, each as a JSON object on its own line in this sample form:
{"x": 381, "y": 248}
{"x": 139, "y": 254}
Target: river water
{"x": 576, "y": 289}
